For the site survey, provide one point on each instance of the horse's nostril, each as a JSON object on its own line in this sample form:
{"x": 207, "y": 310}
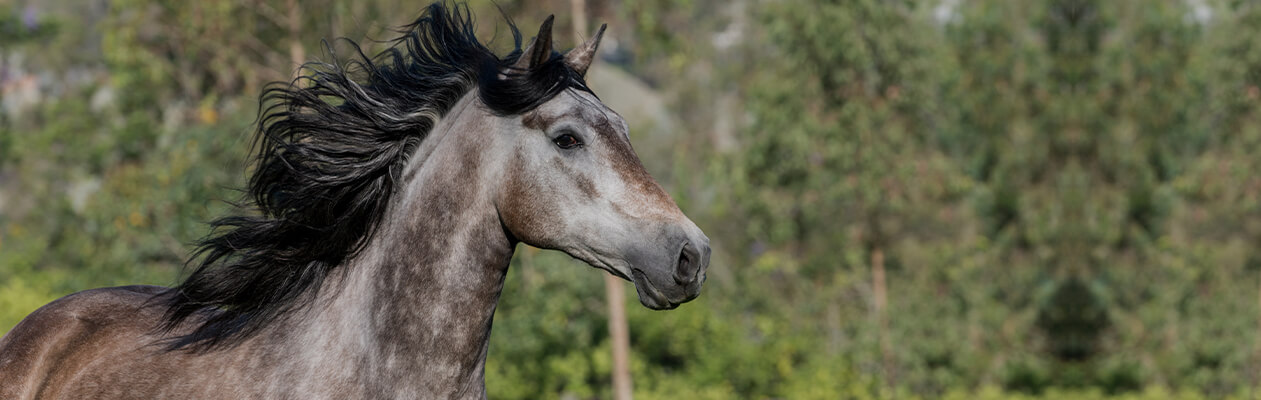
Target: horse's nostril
{"x": 685, "y": 271}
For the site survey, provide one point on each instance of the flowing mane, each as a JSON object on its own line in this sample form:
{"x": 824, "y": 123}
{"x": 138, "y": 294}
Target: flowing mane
{"x": 331, "y": 145}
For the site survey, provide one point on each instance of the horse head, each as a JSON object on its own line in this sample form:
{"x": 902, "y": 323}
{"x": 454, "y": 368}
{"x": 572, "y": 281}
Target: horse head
{"x": 573, "y": 183}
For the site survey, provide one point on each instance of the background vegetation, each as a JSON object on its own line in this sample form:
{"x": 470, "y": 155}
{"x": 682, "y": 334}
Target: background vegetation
{"x": 916, "y": 199}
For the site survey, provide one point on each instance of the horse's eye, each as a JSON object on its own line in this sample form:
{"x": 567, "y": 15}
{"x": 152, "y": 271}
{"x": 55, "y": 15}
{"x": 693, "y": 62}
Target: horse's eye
{"x": 566, "y": 141}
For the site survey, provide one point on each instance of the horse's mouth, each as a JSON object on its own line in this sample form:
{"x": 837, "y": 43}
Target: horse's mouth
{"x": 649, "y": 296}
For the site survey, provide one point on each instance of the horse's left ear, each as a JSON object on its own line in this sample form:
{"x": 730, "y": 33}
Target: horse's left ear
{"x": 580, "y": 58}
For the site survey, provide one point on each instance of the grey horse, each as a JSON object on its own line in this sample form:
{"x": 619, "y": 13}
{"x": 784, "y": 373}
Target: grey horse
{"x": 387, "y": 198}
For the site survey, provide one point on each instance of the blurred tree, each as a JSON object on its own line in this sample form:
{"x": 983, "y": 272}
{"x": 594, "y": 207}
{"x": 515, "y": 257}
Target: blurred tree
{"x": 1210, "y": 262}
{"x": 27, "y": 26}
{"x": 839, "y": 165}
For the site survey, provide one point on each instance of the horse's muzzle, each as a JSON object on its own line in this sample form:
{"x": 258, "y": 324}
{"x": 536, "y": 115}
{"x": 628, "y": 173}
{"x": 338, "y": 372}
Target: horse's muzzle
{"x": 681, "y": 281}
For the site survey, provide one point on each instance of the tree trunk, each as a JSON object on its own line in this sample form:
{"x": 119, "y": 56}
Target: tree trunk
{"x": 879, "y": 289}
{"x": 297, "y": 53}
{"x": 621, "y": 337}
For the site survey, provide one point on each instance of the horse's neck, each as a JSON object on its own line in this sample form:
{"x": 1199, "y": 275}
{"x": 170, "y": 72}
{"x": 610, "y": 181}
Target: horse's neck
{"x": 412, "y": 315}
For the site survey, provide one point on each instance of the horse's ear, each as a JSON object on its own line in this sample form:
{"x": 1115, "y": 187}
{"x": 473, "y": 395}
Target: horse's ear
{"x": 579, "y": 59}
{"x": 539, "y": 50}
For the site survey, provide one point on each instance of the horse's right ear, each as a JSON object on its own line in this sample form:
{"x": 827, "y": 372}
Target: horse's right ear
{"x": 539, "y": 50}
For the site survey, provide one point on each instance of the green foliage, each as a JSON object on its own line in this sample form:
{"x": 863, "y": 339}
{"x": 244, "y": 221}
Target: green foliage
{"x": 1062, "y": 196}
{"x": 117, "y": 204}
{"x": 17, "y": 29}
{"x": 551, "y": 308}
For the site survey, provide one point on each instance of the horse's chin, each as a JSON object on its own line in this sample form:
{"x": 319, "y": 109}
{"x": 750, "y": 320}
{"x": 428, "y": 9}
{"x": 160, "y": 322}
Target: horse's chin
{"x": 653, "y": 298}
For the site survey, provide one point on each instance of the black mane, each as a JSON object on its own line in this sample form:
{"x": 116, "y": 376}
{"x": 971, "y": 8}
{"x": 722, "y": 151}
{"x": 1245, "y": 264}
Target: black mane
{"x": 331, "y": 145}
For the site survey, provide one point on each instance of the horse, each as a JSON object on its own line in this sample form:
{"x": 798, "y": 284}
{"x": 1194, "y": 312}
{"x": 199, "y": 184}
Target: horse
{"x": 387, "y": 197}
